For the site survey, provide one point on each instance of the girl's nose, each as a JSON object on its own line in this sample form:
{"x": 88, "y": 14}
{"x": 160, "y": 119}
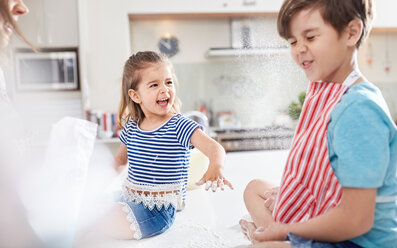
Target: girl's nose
{"x": 18, "y": 7}
{"x": 164, "y": 88}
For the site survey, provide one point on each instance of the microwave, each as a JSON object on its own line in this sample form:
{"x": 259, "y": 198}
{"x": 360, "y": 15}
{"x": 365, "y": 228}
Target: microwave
{"x": 48, "y": 69}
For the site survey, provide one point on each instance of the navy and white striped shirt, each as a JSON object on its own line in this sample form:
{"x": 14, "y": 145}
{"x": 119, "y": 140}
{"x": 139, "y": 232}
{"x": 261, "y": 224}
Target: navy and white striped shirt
{"x": 158, "y": 160}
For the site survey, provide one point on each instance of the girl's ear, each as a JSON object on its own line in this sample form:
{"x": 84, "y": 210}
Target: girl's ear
{"x": 354, "y": 31}
{"x": 134, "y": 96}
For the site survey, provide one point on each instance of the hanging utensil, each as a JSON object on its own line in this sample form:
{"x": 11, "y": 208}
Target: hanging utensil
{"x": 387, "y": 58}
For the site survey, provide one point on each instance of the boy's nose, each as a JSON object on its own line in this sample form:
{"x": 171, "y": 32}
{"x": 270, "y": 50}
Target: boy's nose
{"x": 301, "y": 48}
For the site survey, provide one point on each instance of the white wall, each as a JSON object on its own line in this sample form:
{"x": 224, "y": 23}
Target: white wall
{"x": 104, "y": 48}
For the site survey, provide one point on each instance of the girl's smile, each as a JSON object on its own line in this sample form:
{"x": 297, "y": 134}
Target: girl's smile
{"x": 163, "y": 102}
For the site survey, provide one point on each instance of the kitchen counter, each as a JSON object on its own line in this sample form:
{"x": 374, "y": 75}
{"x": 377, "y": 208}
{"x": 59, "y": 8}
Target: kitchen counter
{"x": 251, "y": 139}
{"x": 211, "y": 219}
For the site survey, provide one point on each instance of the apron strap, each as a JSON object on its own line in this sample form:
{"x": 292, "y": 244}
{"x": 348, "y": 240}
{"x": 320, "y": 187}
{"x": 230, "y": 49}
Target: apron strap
{"x": 352, "y": 77}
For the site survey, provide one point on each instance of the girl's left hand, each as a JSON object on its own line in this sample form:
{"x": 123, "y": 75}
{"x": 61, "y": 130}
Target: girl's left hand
{"x": 213, "y": 178}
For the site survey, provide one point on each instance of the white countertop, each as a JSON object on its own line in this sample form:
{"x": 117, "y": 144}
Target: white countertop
{"x": 211, "y": 219}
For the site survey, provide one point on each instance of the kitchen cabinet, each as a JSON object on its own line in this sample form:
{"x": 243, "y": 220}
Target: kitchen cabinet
{"x": 204, "y": 6}
{"x": 385, "y": 17}
{"x": 51, "y": 23}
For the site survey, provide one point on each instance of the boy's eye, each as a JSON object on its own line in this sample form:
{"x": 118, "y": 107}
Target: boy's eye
{"x": 311, "y": 37}
{"x": 169, "y": 82}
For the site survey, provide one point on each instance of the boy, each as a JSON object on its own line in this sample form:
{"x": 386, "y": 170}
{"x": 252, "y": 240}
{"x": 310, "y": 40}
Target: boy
{"x": 339, "y": 186}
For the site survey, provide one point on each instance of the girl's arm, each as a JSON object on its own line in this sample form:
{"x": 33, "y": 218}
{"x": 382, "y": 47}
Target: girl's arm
{"x": 353, "y": 217}
{"x": 216, "y": 155}
{"x": 120, "y": 159}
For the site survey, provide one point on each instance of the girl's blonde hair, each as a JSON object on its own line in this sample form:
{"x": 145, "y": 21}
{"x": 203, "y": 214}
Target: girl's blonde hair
{"x": 128, "y": 109}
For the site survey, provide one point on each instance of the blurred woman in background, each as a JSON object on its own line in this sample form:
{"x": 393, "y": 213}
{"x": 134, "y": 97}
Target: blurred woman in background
{"x": 15, "y": 228}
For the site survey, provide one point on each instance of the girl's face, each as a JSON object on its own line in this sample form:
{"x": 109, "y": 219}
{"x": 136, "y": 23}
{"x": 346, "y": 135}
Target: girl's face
{"x": 17, "y": 8}
{"x": 155, "y": 92}
{"x": 317, "y": 47}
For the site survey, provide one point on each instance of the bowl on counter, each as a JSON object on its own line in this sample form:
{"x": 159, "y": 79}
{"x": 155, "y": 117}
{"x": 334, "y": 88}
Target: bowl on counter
{"x": 198, "y": 166}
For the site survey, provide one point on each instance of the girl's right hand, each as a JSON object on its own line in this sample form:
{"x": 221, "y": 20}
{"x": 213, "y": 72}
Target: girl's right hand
{"x": 270, "y": 198}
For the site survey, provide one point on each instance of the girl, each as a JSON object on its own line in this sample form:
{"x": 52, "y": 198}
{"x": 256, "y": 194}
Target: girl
{"x": 156, "y": 144}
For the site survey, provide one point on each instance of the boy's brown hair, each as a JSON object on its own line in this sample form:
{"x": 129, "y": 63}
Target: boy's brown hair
{"x": 338, "y": 13}
{"x": 128, "y": 109}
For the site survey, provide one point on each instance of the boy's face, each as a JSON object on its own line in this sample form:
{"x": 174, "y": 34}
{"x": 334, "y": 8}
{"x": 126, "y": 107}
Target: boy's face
{"x": 317, "y": 47}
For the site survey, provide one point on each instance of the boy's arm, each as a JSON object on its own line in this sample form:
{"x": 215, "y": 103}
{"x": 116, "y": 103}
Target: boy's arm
{"x": 215, "y": 153}
{"x": 353, "y": 217}
{"x": 120, "y": 159}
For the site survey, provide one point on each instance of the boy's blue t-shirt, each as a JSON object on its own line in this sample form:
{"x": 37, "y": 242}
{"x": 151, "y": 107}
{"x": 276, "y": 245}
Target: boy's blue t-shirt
{"x": 362, "y": 146}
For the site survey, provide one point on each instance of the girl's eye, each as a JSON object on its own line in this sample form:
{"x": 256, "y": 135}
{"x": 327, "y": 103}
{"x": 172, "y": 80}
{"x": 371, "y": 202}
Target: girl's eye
{"x": 153, "y": 85}
{"x": 292, "y": 42}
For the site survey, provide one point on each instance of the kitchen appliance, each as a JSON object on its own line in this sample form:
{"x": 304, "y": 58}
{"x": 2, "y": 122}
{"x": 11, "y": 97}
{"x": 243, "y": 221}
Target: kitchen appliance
{"x": 251, "y": 139}
{"x": 248, "y": 39}
{"x": 49, "y": 69}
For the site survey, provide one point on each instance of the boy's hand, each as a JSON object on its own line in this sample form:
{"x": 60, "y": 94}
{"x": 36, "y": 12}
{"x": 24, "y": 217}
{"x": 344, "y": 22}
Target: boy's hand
{"x": 213, "y": 178}
{"x": 270, "y": 198}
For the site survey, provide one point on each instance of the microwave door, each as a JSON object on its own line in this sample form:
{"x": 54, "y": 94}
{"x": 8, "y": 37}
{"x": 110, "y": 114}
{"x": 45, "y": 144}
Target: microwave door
{"x": 47, "y": 71}
{"x": 37, "y": 73}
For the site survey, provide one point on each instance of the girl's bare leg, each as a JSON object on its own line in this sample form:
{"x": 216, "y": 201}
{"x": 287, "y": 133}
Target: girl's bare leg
{"x": 115, "y": 224}
{"x": 112, "y": 224}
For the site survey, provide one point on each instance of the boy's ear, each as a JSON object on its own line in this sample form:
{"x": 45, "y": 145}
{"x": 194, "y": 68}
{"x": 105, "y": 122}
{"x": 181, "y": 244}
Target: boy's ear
{"x": 354, "y": 31}
{"x": 134, "y": 96}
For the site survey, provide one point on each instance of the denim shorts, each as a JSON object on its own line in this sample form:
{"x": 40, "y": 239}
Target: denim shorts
{"x": 299, "y": 242}
{"x": 145, "y": 222}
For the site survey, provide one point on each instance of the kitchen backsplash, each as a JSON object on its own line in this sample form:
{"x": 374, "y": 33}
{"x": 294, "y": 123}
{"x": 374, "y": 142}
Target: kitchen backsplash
{"x": 255, "y": 89}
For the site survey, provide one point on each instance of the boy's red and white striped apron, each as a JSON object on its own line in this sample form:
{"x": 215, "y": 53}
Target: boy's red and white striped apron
{"x": 309, "y": 186}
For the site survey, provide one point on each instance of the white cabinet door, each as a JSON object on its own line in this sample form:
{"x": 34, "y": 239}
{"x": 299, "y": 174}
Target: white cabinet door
{"x": 385, "y": 14}
{"x": 51, "y": 23}
{"x": 61, "y": 22}
{"x": 202, "y": 6}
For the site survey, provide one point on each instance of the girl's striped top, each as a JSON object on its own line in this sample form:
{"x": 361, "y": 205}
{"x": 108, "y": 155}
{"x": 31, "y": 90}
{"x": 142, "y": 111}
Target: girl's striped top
{"x": 158, "y": 161}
